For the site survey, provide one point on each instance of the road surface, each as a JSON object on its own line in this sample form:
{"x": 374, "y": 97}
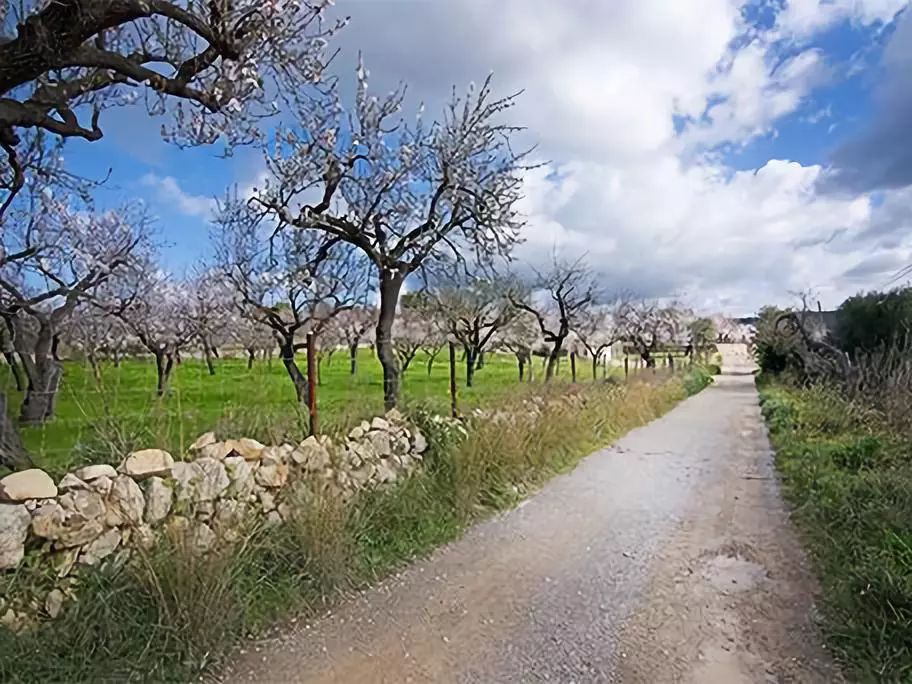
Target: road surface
{"x": 667, "y": 557}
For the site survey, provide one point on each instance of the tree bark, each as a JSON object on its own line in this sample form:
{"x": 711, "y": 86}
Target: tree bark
{"x": 390, "y": 286}
{"x": 164, "y": 364}
{"x": 43, "y": 374}
{"x": 471, "y": 359}
{"x": 595, "y": 367}
{"x": 251, "y": 356}
{"x": 207, "y": 354}
{"x": 353, "y": 355}
{"x": 297, "y": 377}
{"x": 480, "y": 360}
{"x": 552, "y": 359}
{"x": 522, "y": 368}
{"x": 12, "y": 454}
{"x": 15, "y": 370}
{"x": 96, "y": 369}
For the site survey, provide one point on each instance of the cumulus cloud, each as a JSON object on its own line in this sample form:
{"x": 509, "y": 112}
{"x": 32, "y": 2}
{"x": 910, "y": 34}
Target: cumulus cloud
{"x": 881, "y": 157}
{"x": 169, "y": 193}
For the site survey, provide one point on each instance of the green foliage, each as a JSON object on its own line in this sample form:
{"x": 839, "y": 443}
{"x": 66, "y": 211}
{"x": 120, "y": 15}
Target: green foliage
{"x": 702, "y": 333}
{"x": 774, "y": 345}
{"x": 869, "y": 321}
{"x": 172, "y": 614}
{"x": 849, "y": 478}
{"x": 697, "y": 378}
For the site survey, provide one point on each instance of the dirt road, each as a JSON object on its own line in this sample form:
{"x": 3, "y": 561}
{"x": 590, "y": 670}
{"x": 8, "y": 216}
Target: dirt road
{"x": 667, "y": 557}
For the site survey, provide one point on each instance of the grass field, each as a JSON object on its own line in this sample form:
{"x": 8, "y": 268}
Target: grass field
{"x": 101, "y": 422}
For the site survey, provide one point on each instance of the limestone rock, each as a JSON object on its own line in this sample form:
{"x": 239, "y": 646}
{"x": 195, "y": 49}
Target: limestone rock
{"x": 379, "y": 423}
{"x": 142, "y": 537}
{"x": 64, "y": 524}
{"x": 250, "y": 449}
{"x": 186, "y": 475}
{"x": 394, "y": 415}
{"x": 273, "y": 455}
{"x": 311, "y": 455}
{"x": 419, "y": 442}
{"x": 53, "y": 603}
{"x": 273, "y": 519}
{"x": 385, "y": 473}
{"x": 204, "y": 440}
{"x": 86, "y": 502}
{"x": 218, "y": 451}
{"x": 228, "y": 518}
{"x": 146, "y": 463}
{"x": 63, "y": 561}
{"x": 158, "y": 500}
{"x": 267, "y": 501}
{"x": 241, "y": 476}
{"x": 101, "y": 548}
{"x": 27, "y": 484}
{"x": 213, "y": 481}
{"x": 93, "y": 472}
{"x": 272, "y": 474}
{"x": 69, "y": 482}
{"x": 200, "y": 537}
{"x": 14, "y": 525}
{"x": 47, "y": 520}
{"x": 102, "y": 484}
{"x": 125, "y": 503}
{"x": 356, "y": 433}
{"x": 380, "y": 441}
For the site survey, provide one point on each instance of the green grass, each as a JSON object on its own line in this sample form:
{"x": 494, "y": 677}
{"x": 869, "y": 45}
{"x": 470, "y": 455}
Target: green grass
{"x": 173, "y": 615}
{"x": 849, "y": 479}
{"x": 101, "y": 422}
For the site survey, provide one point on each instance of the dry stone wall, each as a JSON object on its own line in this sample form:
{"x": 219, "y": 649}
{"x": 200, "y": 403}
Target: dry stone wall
{"x": 100, "y": 513}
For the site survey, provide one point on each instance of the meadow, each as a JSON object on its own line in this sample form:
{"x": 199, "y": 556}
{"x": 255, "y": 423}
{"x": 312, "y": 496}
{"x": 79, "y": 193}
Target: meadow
{"x": 101, "y": 420}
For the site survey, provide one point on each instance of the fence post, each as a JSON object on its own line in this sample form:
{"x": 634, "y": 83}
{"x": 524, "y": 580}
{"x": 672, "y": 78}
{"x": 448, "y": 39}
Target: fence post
{"x": 573, "y": 366}
{"x": 454, "y": 407}
{"x": 312, "y": 384}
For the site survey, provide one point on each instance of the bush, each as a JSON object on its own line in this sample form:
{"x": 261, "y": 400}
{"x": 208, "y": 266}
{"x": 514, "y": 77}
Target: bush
{"x": 696, "y": 378}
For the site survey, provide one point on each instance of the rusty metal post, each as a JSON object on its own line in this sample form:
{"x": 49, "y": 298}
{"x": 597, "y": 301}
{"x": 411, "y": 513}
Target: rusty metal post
{"x": 454, "y": 407}
{"x": 312, "y": 384}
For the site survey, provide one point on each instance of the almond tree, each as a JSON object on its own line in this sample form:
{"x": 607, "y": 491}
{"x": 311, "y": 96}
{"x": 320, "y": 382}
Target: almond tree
{"x": 472, "y": 310}
{"x": 210, "y": 311}
{"x": 353, "y": 325}
{"x": 155, "y": 308}
{"x": 292, "y": 282}
{"x": 558, "y": 300}
{"x": 646, "y": 325}
{"x": 93, "y": 332}
{"x": 520, "y": 336}
{"x": 252, "y": 337}
{"x": 53, "y": 257}
{"x": 407, "y": 195}
{"x": 214, "y": 69}
{"x": 597, "y": 329}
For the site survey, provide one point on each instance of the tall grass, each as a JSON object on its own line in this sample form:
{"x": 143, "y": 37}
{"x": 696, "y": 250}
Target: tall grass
{"x": 172, "y": 613}
{"x": 848, "y": 473}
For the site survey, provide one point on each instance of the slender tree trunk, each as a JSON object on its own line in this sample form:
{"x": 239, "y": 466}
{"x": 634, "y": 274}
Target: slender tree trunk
{"x": 471, "y": 359}
{"x": 552, "y": 359}
{"x": 297, "y": 377}
{"x": 480, "y": 360}
{"x": 251, "y": 356}
{"x": 15, "y": 370}
{"x": 164, "y": 364}
{"x": 573, "y": 366}
{"x": 353, "y": 355}
{"x": 595, "y": 367}
{"x": 522, "y": 367}
{"x": 55, "y": 347}
{"x": 96, "y": 369}
{"x": 116, "y": 357}
{"x": 207, "y": 354}
{"x": 320, "y": 370}
{"x": 215, "y": 352}
{"x": 430, "y": 362}
{"x": 390, "y": 286}
{"x": 648, "y": 361}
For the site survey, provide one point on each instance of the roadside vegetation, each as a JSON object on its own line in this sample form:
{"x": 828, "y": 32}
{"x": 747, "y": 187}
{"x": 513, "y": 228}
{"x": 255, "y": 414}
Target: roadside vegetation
{"x": 840, "y": 417}
{"x": 174, "y": 614}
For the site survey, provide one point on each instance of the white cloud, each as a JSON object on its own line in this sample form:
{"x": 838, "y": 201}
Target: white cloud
{"x": 169, "y": 193}
{"x": 802, "y": 18}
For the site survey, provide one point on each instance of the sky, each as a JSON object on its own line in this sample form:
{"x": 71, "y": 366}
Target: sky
{"x": 726, "y": 154}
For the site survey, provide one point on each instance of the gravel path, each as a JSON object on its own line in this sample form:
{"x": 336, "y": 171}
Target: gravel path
{"x": 667, "y": 557}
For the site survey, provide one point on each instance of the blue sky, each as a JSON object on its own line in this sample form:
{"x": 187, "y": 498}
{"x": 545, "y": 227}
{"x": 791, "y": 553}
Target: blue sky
{"x": 707, "y": 150}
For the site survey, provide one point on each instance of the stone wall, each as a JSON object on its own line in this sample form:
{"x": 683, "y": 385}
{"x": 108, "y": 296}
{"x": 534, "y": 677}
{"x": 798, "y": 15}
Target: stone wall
{"x": 100, "y": 513}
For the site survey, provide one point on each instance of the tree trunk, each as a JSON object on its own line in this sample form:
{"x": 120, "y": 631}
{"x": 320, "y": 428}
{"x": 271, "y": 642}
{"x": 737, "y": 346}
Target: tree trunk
{"x": 215, "y": 352}
{"x": 251, "y": 356}
{"x": 573, "y": 366}
{"x": 595, "y": 361}
{"x": 390, "y": 286}
{"x": 164, "y": 364}
{"x": 353, "y": 355}
{"x": 55, "y": 348}
{"x": 471, "y": 358}
{"x": 479, "y": 363}
{"x": 430, "y": 364}
{"x": 297, "y": 377}
{"x": 96, "y": 369}
{"x": 43, "y": 374}
{"x": 648, "y": 361}
{"x": 15, "y": 370}
{"x": 12, "y": 454}
{"x": 207, "y": 354}
{"x": 522, "y": 367}
{"x": 116, "y": 356}
{"x": 552, "y": 359}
